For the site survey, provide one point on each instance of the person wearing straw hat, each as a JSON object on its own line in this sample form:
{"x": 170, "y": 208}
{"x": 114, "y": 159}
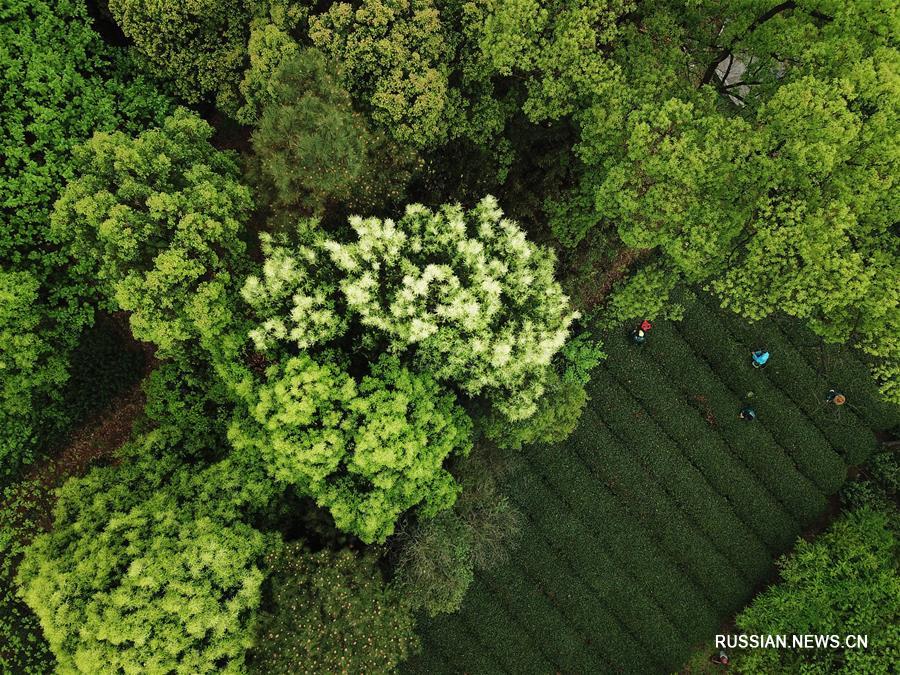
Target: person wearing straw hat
{"x": 836, "y": 397}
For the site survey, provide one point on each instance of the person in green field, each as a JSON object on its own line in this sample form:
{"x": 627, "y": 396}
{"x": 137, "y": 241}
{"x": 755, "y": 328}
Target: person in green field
{"x": 759, "y": 358}
{"x": 836, "y": 397}
{"x": 639, "y": 334}
{"x": 747, "y": 413}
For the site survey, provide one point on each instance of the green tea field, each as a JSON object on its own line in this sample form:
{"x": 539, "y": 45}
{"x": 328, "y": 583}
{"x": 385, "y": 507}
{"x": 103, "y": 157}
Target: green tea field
{"x": 661, "y": 516}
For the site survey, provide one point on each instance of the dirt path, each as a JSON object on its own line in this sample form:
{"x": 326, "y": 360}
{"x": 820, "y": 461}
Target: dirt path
{"x": 98, "y": 436}
{"x": 625, "y": 259}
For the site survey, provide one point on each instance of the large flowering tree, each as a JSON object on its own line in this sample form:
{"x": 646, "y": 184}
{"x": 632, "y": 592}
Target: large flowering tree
{"x": 463, "y": 294}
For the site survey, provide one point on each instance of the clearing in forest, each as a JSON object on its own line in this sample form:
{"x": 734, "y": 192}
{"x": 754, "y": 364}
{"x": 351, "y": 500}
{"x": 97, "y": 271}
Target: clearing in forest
{"x": 663, "y": 513}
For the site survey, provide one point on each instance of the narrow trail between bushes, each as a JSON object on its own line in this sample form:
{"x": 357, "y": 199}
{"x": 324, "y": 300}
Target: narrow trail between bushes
{"x": 98, "y": 436}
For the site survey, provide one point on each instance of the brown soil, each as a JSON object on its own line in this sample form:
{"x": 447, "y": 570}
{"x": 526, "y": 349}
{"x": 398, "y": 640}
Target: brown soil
{"x": 705, "y": 409}
{"x": 98, "y": 436}
{"x": 625, "y": 259}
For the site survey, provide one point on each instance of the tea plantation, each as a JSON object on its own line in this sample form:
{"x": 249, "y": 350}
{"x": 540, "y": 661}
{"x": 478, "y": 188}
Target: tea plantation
{"x": 663, "y": 513}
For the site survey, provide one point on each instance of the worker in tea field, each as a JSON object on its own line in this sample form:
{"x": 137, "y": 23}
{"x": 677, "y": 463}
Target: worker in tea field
{"x": 747, "y": 413}
{"x": 721, "y": 658}
{"x": 639, "y": 334}
{"x": 759, "y": 358}
{"x": 836, "y": 397}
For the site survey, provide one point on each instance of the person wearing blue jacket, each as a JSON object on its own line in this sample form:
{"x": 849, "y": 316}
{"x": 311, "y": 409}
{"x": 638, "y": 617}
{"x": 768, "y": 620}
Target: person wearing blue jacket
{"x": 759, "y": 358}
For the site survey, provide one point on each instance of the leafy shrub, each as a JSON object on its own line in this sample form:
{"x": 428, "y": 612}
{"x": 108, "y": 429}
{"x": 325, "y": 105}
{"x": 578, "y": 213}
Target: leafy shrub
{"x": 646, "y": 294}
{"x": 185, "y": 396}
{"x": 367, "y": 451}
{"x": 844, "y": 582}
{"x": 557, "y": 414}
{"x": 435, "y": 568}
{"x": 331, "y": 612}
{"x": 877, "y": 486}
{"x": 437, "y": 557}
{"x": 152, "y": 220}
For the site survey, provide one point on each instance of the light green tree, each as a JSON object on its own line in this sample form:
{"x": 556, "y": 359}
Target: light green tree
{"x": 152, "y": 220}
{"x": 366, "y": 451}
{"x": 142, "y": 573}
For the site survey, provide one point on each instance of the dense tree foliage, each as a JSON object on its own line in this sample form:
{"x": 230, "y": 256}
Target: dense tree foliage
{"x": 845, "y": 582}
{"x": 59, "y": 84}
{"x": 368, "y": 451}
{"x": 200, "y": 45}
{"x": 142, "y": 573}
{"x": 152, "y": 220}
{"x": 459, "y": 297}
{"x": 396, "y": 55}
{"x": 313, "y": 148}
{"x": 29, "y": 366}
{"x": 467, "y": 291}
{"x": 310, "y": 142}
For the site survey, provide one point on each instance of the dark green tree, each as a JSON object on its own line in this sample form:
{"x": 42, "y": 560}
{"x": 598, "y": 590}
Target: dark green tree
{"x": 331, "y": 612}
{"x": 436, "y": 558}
{"x": 199, "y": 45}
{"x": 310, "y": 144}
{"x": 313, "y": 149}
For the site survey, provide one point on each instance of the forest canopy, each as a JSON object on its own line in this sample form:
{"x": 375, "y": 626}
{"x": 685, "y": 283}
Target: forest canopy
{"x": 360, "y": 261}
